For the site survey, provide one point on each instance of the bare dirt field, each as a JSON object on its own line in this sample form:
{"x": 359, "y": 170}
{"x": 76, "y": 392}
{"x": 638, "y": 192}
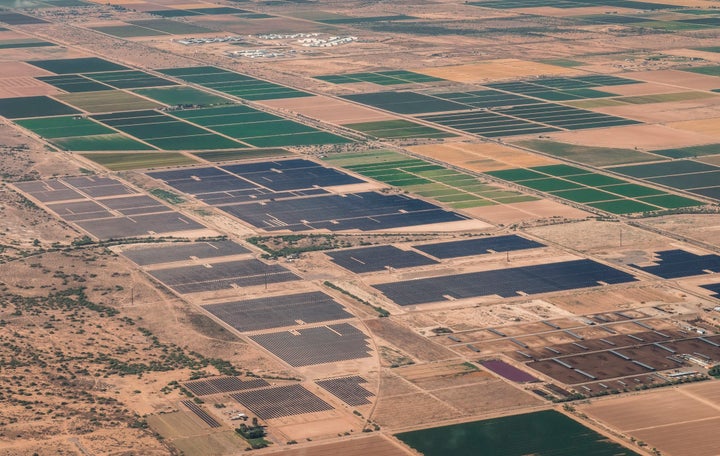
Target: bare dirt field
{"x": 677, "y": 421}
{"x": 407, "y": 340}
{"x": 678, "y": 78}
{"x": 528, "y": 211}
{"x": 329, "y": 110}
{"x": 24, "y": 87}
{"x": 709, "y": 127}
{"x": 705, "y": 227}
{"x": 481, "y": 157}
{"x": 668, "y": 112}
{"x": 374, "y": 445}
{"x": 598, "y": 237}
{"x": 495, "y": 70}
{"x": 640, "y": 136}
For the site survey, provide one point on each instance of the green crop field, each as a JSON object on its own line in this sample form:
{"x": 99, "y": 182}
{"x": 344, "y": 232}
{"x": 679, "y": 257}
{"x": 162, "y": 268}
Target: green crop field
{"x": 390, "y": 129}
{"x": 62, "y": 127}
{"x": 18, "y": 108}
{"x": 131, "y": 79}
{"x": 170, "y": 27}
{"x": 128, "y": 31}
{"x": 81, "y": 65}
{"x": 24, "y": 43}
{"x": 595, "y": 156}
{"x": 241, "y": 154}
{"x": 125, "y": 161}
{"x": 623, "y": 206}
{"x": 235, "y": 84}
{"x": 546, "y": 433}
{"x": 687, "y": 152}
{"x": 457, "y": 189}
{"x": 180, "y": 95}
{"x": 74, "y": 83}
{"x": 258, "y": 128}
{"x": 107, "y": 101}
{"x": 603, "y": 192}
{"x": 708, "y": 70}
{"x": 114, "y": 141}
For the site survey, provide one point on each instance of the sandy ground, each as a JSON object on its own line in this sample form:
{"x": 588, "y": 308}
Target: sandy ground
{"x": 507, "y": 214}
{"x": 329, "y": 110}
{"x": 710, "y": 127}
{"x": 496, "y": 70}
{"x": 678, "y": 78}
{"x": 641, "y": 136}
{"x": 481, "y": 157}
{"x": 668, "y": 111}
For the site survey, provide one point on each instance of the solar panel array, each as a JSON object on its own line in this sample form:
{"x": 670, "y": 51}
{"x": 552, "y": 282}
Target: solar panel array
{"x": 478, "y": 246}
{"x": 714, "y": 287}
{"x": 322, "y": 344}
{"x": 218, "y": 276}
{"x": 541, "y": 278}
{"x": 183, "y": 251}
{"x": 107, "y": 208}
{"x": 202, "y": 414}
{"x": 223, "y": 385}
{"x": 347, "y": 389}
{"x": 377, "y": 258}
{"x": 281, "y": 401}
{"x": 672, "y": 264}
{"x": 278, "y": 311}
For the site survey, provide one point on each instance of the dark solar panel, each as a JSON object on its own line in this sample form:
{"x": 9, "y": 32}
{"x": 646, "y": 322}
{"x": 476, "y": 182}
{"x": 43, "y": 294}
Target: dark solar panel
{"x": 672, "y": 264}
{"x": 478, "y": 246}
{"x": 534, "y": 279}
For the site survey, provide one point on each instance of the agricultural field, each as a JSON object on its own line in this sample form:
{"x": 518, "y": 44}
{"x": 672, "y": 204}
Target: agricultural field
{"x": 363, "y": 228}
{"x": 234, "y": 84}
{"x": 125, "y": 161}
{"x": 538, "y": 433}
{"x": 676, "y": 422}
{"x": 455, "y": 189}
{"x": 596, "y": 190}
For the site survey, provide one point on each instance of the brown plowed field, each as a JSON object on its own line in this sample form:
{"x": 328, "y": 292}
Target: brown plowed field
{"x": 678, "y": 422}
{"x": 375, "y": 446}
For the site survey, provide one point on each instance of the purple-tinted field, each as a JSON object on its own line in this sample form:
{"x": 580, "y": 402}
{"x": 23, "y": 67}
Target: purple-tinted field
{"x": 511, "y": 373}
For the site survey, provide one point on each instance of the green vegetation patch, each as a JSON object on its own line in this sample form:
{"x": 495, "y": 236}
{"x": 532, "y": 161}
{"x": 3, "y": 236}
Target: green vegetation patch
{"x": 17, "y": 108}
{"x": 624, "y": 206}
{"x": 392, "y": 77}
{"x": 565, "y": 63}
{"x": 80, "y": 65}
{"x": 114, "y": 141}
{"x": 631, "y": 190}
{"x": 708, "y": 70}
{"x": 131, "y": 79}
{"x": 596, "y": 156}
{"x": 171, "y": 27}
{"x": 61, "y": 127}
{"x": 687, "y": 152}
{"x": 181, "y": 95}
{"x": 585, "y": 195}
{"x": 424, "y": 178}
{"x": 242, "y": 154}
{"x": 299, "y": 139}
{"x": 24, "y": 43}
{"x": 545, "y": 433}
{"x": 73, "y": 83}
{"x": 125, "y": 161}
{"x": 128, "y": 31}
{"x": 391, "y": 129}
{"x": 671, "y": 201}
{"x": 107, "y": 101}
